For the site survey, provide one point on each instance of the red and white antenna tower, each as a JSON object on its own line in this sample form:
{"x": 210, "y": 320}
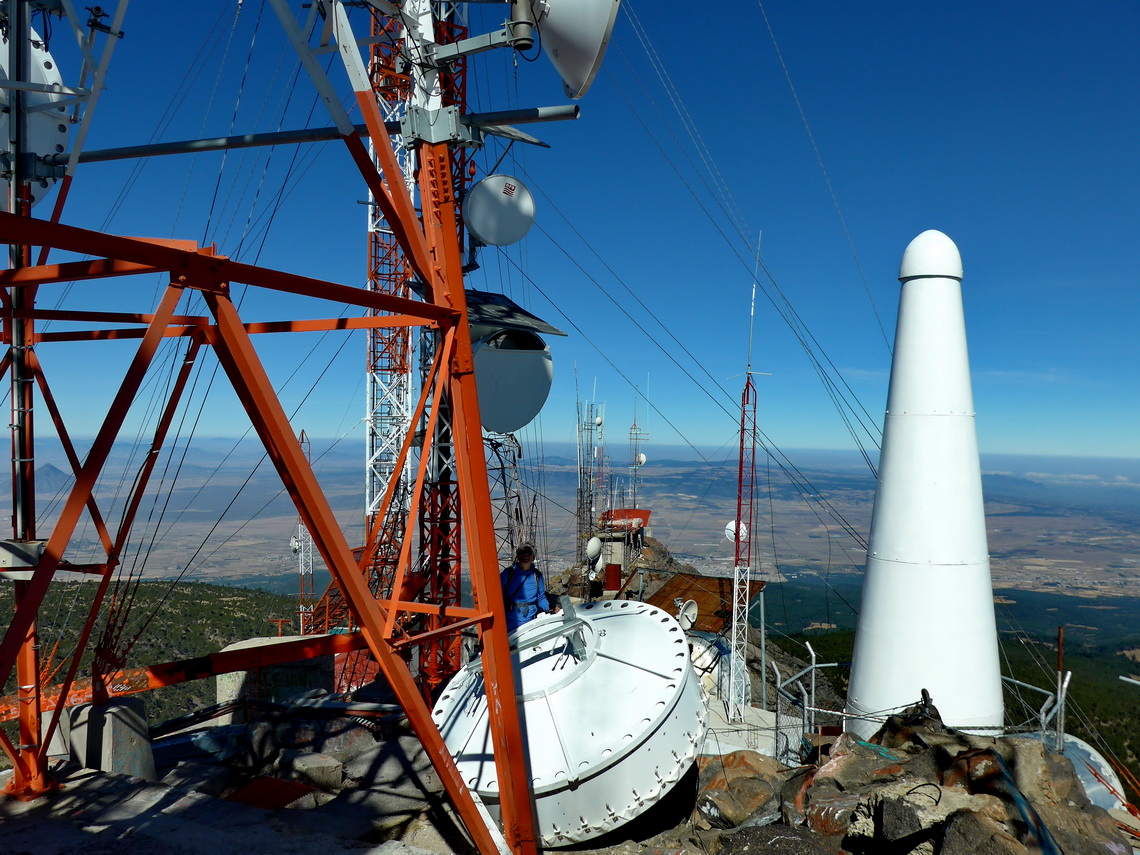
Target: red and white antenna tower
{"x": 740, "y": 686}
{"x": 302, "y": 546}
{"x": 740, "y": 696}
{"x": 405, "y": 89}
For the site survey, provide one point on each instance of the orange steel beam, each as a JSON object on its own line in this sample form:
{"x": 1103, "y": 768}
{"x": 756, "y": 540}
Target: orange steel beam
{"x": 421, "y": 476}
{"x": 195, "y": 322}
{"x": 433, "y": 251}
{"x": 239, "y": 359}
{"x": 318, "y": 325}
{"x": 134, "y": 500}
{"x": 68, "y": 447}
{"x": 131, "y": 681}
{"x": 475, "y": 498}
{"x": 187, "y": 266}
{"x": 49, "y": 274}
{"x": 84, "y": 482}
{"x": 391, "y": 197}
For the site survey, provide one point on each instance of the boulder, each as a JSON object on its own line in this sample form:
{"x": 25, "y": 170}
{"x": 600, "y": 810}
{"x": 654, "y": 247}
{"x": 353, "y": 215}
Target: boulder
{"x": 319, "y": 770}
{"x": 970, "y": 833}
{"x": 856, "y": 765}
{"x": 903, "y": 814}
{"x": 793, "y": 796}
{"x": 830, "y": 812}
{"x": 720, "y": 809}
{"x": 1090, "y": 831}
{"x": 718, "y": 771}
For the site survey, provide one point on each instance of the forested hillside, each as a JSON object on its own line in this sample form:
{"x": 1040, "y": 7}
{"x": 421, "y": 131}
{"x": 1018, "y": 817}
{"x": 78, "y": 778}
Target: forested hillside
{"x": 165, "y": 622}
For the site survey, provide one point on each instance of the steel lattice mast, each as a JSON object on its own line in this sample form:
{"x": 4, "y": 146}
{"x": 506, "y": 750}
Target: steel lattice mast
{"x": 741, "y": 690}
{"x": 388, "y": 369}
{"x": 587, "y": 496}
{"x": 637, "y": 436}
{"x": 389, "y": 366}
{"x": 302, "y": 545}
{"x": 405, "y": 91}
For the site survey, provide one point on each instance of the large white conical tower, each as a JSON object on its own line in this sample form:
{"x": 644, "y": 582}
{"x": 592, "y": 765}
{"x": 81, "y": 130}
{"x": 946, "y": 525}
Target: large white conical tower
{"x": 927, "y": 618}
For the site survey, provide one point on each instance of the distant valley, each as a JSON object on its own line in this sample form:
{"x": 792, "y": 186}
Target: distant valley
{"x": 1056, "y": 526}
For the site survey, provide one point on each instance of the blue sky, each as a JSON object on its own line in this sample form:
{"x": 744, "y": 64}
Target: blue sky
{"x": 1012, "y": 128}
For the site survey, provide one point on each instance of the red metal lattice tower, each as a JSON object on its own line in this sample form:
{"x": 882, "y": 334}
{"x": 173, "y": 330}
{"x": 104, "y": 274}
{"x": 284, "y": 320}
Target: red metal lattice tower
{"x": 434, "y": 252}
{"x": 441, "y": 517}
{"x": 388, "y": 368}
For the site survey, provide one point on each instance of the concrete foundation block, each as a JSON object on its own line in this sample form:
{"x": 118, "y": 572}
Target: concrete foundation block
{"x": 277, "y": 683}
{"x": 59, "y": 748}
{"x": 113, "y": 738}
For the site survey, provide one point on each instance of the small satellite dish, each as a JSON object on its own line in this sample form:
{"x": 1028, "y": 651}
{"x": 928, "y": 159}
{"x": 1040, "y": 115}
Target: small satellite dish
{"x": 575, "y": 36}
{"x": 499, "y": 210}
{"x": 640, "y": 459}
{"x": 730, "y": 532}
{"x": 294, "y": 544}
{"x": 687, "y": 617}
{"x": 593, "y": 548}
{"x": 598, "y": 421}
{"x": 48, "y": 125}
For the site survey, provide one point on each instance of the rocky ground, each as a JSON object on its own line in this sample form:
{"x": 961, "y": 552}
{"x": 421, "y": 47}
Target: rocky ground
{"x": 293, "y": 780}
{"x": 339, "y": 785}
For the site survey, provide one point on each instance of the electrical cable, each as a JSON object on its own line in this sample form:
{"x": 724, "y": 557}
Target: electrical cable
{"x": 823, "y": 171}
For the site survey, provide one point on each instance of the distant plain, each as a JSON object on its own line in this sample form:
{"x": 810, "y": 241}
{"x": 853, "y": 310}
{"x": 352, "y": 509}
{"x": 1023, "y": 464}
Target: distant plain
{"x": 1057, "y": 526}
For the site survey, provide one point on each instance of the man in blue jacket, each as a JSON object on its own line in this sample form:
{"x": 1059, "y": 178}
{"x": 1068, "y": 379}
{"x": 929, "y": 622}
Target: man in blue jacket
{"x": 524, "y": 589}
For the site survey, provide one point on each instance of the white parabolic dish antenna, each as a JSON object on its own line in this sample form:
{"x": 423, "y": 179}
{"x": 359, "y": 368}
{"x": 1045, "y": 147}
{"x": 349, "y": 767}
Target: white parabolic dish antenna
{"x": 499, "y": 210}
{"x": 576, "y": 35}
{"x": 688, "y": 615}
{"x": 47, "y": 125}
{"x": 612, "y": 710}
{"x": 730, "y": 531}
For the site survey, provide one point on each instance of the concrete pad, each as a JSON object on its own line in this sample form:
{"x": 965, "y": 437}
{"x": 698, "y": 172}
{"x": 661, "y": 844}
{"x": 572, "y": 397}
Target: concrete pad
{"x": 399, "y": 764}
{"x": 42, "y": 837}
{"x": 205, "y": 778}
{"x": 100, "y": 814}
{"x": 320, "y": 770}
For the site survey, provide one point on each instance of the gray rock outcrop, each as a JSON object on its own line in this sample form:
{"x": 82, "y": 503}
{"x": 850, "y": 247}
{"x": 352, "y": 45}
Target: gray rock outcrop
{"x": 915, "y": 788}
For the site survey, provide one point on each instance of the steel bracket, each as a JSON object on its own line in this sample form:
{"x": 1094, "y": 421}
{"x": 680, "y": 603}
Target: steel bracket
{"x": 438, "y": 126}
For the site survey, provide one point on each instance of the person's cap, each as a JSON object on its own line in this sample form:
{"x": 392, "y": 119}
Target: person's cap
{"x": 525, "y": 549}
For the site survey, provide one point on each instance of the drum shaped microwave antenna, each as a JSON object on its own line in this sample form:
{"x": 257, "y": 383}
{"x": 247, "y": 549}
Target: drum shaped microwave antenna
{"x": 575, "y": 36}
{"x": 513, "y": 374}
{"x": 47, "y": 125}
{"x": 499, "y": 210}
{"x": 614, "y": 717}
